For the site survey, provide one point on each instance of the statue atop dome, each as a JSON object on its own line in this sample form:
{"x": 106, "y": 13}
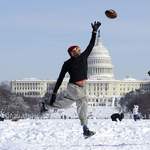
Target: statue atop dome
{"x": 99, "y": 33}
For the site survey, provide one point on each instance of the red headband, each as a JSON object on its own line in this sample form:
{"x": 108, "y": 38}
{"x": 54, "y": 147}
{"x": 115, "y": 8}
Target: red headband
{"x": 70, "y": 49}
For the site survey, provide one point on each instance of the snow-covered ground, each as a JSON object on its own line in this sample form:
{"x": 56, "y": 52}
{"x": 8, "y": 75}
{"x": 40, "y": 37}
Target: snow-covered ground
{"x": 60, "y": 134}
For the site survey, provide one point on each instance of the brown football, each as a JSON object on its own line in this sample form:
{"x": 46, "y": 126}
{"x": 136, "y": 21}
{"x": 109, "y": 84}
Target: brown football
{"x": 111, "y": 14}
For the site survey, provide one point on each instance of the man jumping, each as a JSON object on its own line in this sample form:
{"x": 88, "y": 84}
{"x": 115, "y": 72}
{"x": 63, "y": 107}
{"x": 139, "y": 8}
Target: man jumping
{"x": 76, "y": 66}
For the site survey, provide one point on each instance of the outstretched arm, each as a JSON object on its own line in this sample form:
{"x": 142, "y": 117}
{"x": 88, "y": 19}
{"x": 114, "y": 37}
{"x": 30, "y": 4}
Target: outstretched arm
{"x": 58, "y": 83}
{"x": 60, "y": 78}
{"x": 89, "y": 48}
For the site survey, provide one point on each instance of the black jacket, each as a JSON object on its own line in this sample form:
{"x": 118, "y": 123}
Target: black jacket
{"x": 76, "y": 67}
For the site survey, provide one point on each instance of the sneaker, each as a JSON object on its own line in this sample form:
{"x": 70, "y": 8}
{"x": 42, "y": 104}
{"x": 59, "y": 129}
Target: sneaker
{"x": 43, "y": 108}
{"x": 47, "y": 101}
{"x": 88, "y": 134}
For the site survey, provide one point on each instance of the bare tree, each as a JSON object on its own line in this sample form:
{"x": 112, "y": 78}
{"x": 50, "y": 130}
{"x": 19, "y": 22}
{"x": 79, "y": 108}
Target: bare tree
{"x": 14, "y": 104}
{"x": 141, "y": 98}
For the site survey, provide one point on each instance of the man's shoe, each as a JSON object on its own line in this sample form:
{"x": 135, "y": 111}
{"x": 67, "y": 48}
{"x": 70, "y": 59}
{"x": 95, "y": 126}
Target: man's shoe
{"x": 47, "y": 101}
{"x": 45, "y": 109}
{"x": 88, "y": 133}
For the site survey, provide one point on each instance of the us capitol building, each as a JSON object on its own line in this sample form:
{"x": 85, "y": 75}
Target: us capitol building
{"x": 101, "y": 87}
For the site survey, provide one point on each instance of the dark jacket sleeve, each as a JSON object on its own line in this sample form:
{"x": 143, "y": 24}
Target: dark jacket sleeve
{"x": 91, "y": 45}
{"x": 60, "y": 78}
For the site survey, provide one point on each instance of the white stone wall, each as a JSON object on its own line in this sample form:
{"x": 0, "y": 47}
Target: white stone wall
{"x": 99, "y": 92}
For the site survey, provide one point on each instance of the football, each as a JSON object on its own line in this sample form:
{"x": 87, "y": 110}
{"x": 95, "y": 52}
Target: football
{"x": 111, "y": 14}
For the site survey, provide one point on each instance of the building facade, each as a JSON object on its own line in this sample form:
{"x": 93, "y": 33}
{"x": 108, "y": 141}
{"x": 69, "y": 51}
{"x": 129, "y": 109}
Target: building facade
{"x": 101, "y": 87}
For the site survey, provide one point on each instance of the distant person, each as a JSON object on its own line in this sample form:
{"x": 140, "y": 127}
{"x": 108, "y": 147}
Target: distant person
{"x": 76, "y": 66}
{"x": 2, "y": 115}
{"x": 42, "y": 108}
{"x": 116, "y": 116}
{"x": 135, "y": 112}
{"x": 149, "y": 73}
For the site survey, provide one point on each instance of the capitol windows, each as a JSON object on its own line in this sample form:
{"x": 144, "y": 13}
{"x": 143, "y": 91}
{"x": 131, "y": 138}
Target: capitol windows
{"x": 109, "y": 100}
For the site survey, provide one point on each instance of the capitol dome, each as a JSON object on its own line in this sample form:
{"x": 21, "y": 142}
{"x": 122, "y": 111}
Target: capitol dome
{"x": 99, "y": 62}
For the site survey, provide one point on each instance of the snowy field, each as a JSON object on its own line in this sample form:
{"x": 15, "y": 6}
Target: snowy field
{"x": 60, "y": 134}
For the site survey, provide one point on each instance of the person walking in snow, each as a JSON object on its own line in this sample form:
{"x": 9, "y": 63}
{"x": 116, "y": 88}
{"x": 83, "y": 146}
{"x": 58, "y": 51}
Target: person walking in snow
{"x": 42, "y": 108}
{"x": 135, "y": 112}
{"x": 2, "y": 115}
{"x": 76, "y": 66}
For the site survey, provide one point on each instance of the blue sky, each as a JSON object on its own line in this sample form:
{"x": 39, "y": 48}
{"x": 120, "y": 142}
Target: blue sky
{"x": 35, "y": 35}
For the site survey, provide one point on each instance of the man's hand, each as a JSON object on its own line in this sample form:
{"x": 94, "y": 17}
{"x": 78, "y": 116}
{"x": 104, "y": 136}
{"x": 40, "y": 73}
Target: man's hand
{"x": 149, "y": 73}
{"x": 96, "y": 25}
{"x": 53, "y": 98}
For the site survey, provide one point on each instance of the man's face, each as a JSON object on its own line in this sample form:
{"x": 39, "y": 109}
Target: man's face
{"x": 76, "y": 52}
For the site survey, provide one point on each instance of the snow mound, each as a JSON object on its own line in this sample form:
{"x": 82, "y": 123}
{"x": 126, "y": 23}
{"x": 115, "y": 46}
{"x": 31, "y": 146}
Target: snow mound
{"x": 60, "y": 134}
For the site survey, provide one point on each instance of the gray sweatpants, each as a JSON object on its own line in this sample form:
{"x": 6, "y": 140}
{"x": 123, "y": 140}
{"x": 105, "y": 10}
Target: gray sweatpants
{"x": 75, "y": 94}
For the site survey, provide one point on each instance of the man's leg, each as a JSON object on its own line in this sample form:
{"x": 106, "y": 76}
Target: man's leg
{"x": 63, "y": 103}
{"x": 82, "y": 105}
{"x": 75, "y": 94}
{"x": 135, "y": 117}
{"x": 67, "y": 100}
